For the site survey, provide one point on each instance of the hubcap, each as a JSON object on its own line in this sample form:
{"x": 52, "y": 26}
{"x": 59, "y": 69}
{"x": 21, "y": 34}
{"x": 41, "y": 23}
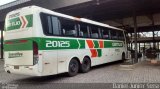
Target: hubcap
{"x": 85, "y": 64}
{"x": 73, "y": 67}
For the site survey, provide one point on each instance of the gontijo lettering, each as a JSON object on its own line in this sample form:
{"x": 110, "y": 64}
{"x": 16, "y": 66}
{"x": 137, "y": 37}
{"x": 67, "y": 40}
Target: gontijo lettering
{"x": 14, "y": 23}
{"x": 117, "y": 44}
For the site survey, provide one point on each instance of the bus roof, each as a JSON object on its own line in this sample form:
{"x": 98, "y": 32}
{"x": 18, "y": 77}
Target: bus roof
{"x": 98, "y": 23}
{"x": 40, "y": 9}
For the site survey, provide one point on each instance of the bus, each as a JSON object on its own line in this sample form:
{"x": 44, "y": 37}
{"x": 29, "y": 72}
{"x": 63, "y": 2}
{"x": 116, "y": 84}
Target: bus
{"x": 41, "y": 42}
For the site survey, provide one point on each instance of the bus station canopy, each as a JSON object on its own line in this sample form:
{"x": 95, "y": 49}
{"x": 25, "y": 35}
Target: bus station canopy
{"x": 99, "y": 10}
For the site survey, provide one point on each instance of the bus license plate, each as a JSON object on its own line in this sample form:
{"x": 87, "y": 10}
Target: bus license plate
{"x": 16, "y": 67}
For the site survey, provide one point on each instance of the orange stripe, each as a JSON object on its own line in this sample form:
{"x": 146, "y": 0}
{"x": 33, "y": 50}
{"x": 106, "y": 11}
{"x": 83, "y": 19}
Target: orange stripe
{"x": 90, "y": 43}
{"x": 24, "y": 22}
{"x": 101, "y": 44}
{"x": 94, "y": 52}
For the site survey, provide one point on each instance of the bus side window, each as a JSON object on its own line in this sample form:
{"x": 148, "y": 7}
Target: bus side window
{"x": 120, "y": 35}
{"x": 94, "y": 32}
{"x": 55, "y": 26}
{"x": 68, "y": 27}
{"x": 105, "y": 33}
{"x": 113, "y": 34}
{"x": 84, "y": 33}
{"x": 100, "y": 32}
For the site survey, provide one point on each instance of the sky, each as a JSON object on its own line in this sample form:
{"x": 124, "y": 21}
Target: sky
{"x": 2, "y": 2}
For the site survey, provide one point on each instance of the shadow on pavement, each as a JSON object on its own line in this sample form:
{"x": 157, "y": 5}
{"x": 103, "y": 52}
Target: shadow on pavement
{"x": 52, "y": 78}
{"x": 40, "y": 80}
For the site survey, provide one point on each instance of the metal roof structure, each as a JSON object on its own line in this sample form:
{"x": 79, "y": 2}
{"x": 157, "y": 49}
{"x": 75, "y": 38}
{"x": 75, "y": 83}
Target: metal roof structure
{"x": 17, "y": 2}
{"x": 111, "y": 9}
{"x": 99, "y": 10}
{"x": 49, "y": 4}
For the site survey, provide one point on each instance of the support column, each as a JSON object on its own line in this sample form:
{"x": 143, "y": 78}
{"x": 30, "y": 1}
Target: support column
{"x": 2, "y": 44}
{"x": 139, "y": 47}
{"x": 144, "y": 50}
{"x": 158, "y": 48}
{"x": 135, "y": 37}
{"x": 154, "y": 43}
{"x": 158, "y": 45}
{"x": 131, "y": 42}
{"x": 144, "y": 45}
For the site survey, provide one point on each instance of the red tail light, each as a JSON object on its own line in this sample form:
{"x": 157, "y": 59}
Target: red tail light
{"x": 35, "y": 48}
{"x": 13, "y": 42}
{"x": 35, "y": 53}
{"x": 23, "y": 41}
{"x": 9, "y": 42}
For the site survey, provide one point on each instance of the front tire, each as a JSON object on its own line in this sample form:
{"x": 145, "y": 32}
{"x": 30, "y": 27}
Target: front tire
{"x": 86, "y": 65}
{"x": 73, "y": 68}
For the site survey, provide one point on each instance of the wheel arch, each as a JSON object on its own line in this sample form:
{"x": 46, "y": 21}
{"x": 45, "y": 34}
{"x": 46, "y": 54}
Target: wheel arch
{"x": 76, "y": 58}
{"x": 123, "y": 54}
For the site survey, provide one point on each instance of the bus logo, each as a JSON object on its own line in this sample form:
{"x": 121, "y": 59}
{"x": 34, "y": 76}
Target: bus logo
{"x": 14, "y": 55}
{"x": 14, "y": 23}
{"x": 19, "y": 22}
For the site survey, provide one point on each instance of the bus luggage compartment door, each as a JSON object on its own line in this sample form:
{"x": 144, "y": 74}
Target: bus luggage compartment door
{"x": 49, "y": 62}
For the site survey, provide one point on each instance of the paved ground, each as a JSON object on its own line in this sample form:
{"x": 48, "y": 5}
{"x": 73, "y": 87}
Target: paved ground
{"x": 109, "y": 73}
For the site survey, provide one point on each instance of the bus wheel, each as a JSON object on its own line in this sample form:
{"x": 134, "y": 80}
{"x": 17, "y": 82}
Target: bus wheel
{"x": 73, "y": 67}
{"x": 123, "y": 56}
{"x": 86, "y": 65}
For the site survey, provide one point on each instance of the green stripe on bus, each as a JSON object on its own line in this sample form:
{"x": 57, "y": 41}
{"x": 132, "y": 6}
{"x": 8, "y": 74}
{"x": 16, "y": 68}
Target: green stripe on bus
{"x": 82, "y": 44}
{"x": 30, "y": 20}
{"x": 19, "y": 46}
{"x": 112, "y": 44}
{"x": 55, "y": 44}
{"x": 99, "y": 52}
{"x": 96, "y": 44}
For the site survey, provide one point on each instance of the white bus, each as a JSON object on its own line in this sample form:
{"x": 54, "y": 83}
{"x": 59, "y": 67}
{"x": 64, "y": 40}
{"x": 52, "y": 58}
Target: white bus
{"x": 41, "y": 42}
